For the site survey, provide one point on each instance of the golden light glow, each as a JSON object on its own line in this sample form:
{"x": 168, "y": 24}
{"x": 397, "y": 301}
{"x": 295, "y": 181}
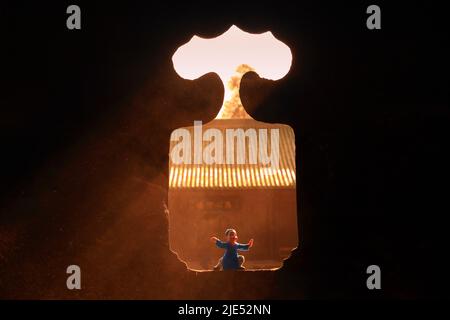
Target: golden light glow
{"x": 233, "y": 167}
{"x": 231, "y": 55}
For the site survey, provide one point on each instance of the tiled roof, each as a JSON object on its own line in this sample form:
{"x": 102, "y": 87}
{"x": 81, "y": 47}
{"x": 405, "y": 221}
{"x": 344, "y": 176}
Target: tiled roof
{"x": 204, "y": 176}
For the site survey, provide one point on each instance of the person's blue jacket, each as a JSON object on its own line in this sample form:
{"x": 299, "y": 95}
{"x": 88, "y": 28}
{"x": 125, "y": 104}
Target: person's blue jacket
{"x": 230, "y": 258}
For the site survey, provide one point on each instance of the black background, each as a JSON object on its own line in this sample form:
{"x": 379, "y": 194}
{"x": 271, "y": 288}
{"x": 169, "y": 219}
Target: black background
{"x": 369, "y": 108}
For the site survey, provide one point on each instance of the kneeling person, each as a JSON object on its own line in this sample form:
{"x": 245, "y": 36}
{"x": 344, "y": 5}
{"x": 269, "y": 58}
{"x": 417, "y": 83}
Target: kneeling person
{"x": 231, "y": 260}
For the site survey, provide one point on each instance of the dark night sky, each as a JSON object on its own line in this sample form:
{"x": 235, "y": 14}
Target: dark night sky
{"x": 369, "y": 108}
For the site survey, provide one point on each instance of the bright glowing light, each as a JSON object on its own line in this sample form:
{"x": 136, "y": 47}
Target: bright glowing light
{"x": 231, "y": 55}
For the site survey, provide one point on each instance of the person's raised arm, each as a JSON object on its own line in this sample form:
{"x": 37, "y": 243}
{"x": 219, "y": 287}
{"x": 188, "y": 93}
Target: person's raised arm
{"x": 245, "y": 247}
{"x": 219, "y": 244}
